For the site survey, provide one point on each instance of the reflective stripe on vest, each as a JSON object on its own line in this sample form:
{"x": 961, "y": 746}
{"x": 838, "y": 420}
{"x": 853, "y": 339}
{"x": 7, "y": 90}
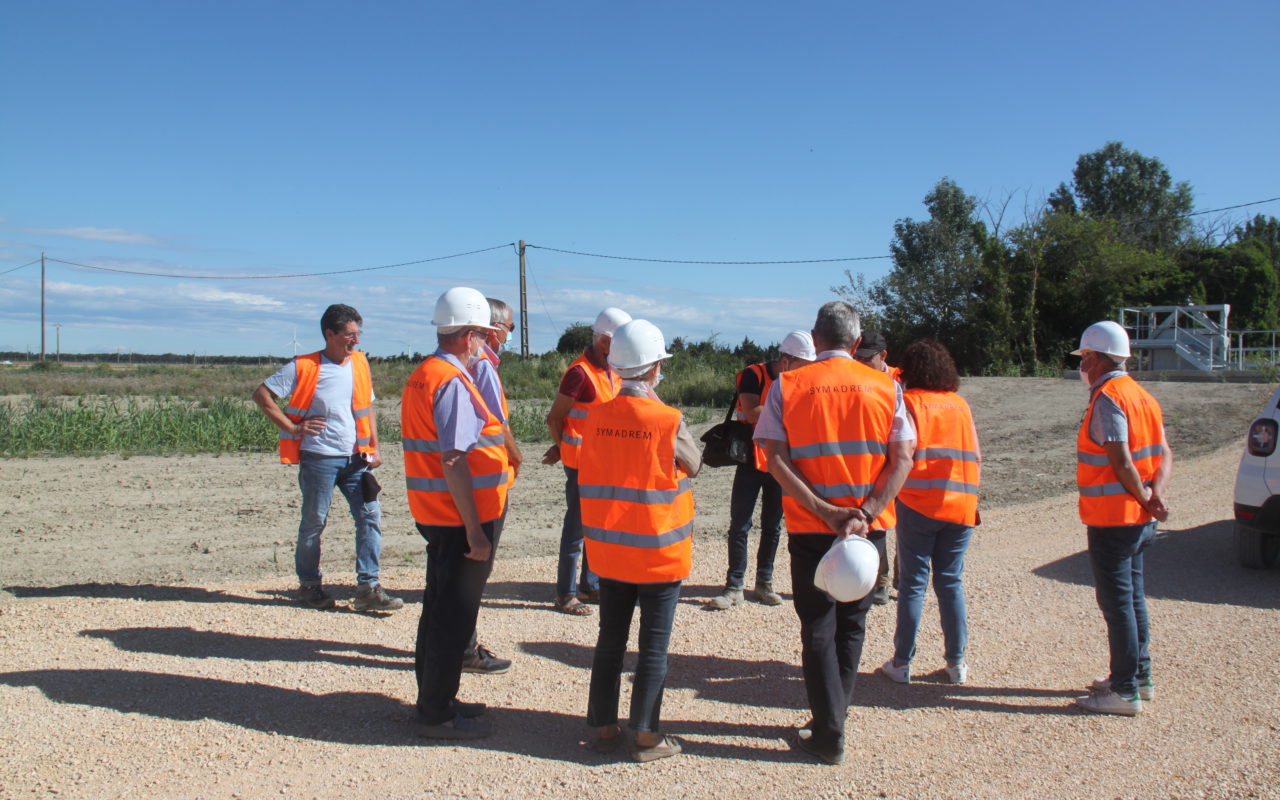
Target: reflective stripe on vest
{"x": 1103, "y": 499}
{"x": 429, "y": 500}
{"x": 606, "y": 384}
{"x": 637, "y": 506}
{"x": 304, "y": 391}
{"x": 943, "y": 482}
{"x": 837, "y": 414}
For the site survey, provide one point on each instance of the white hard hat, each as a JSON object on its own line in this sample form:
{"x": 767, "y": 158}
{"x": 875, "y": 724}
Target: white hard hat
{"x": 607, "y": 321}
{"x": 636, "y": 344}
{"x": 1104, "y": 337}
{"x": 849, "y": 569}
{"x": 800, "y": 345}
{"x": 462, "y": 306}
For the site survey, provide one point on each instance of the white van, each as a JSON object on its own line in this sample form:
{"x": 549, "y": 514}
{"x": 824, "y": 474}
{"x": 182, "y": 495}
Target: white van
{"x": 1257, "y": 501}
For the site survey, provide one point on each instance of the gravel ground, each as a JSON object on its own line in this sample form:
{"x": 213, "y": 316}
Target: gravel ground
{"x": 148, "y": 647}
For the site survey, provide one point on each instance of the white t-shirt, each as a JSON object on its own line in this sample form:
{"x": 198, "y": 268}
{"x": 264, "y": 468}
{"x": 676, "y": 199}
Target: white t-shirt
{"x": 332, "y": 400}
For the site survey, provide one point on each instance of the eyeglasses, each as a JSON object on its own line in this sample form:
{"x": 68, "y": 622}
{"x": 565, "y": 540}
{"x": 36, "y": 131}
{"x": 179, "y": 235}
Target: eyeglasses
{"x": 510, "y": 326}
{"x": 350, "y": 336}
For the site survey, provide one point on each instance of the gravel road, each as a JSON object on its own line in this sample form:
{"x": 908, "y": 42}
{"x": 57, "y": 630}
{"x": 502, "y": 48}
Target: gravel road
{"x": 148, "y": 647}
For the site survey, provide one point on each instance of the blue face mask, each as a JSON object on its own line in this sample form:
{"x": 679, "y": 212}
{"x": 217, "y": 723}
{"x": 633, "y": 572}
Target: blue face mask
{"x": 657, "y": 380}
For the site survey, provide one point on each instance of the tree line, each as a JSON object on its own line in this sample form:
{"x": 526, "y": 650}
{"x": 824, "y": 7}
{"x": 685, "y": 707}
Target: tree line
{"x": 1013, "y": 300}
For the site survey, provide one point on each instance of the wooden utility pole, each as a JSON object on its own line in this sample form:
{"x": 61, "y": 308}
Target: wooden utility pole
{"x": 57, "y": 329}
{"x": 524, "y": 307}
{"x": 42, "y": 306}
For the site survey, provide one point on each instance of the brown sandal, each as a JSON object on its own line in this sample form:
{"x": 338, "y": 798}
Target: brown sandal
{"x": 570, "y": 604}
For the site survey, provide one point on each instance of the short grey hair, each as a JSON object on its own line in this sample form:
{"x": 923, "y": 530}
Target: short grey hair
{"x": 838, "y": 325}
{"x": 499, "y": 310}
{"x": 450, "y": 334}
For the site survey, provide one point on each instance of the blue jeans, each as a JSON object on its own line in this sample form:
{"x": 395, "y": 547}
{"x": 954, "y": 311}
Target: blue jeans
{"x": 571, "y": 542}
{"x": 618, "y": 602}
{"x": 317, "y": 475}
{"x": 749, "y": 483}
{"x": 1116, "y": 554}
{"x": 923, "y": 541}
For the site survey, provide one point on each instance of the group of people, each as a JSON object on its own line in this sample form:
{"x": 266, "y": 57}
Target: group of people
{"x": 845, "y": 445}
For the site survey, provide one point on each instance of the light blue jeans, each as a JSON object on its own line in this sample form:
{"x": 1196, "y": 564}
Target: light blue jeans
{"x": 923, "y": 541}
{"x": 317, "y": 476}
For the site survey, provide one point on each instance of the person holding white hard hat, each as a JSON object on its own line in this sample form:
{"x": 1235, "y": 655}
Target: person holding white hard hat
{"x": 587, "y": 382}
{"x": 1123, "y": 465}
{"x": 838, "y": 440}
{"x": 457, "y": 473}
{"x": 637, "y": 513}
{"x": 753, "y": 480}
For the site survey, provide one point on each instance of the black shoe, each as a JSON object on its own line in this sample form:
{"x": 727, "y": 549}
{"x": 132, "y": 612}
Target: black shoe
{"x": 483, "y": 661}
{"x": 880, "y": 596}
{"x": 459, "y": 727}
{"x": 316, "y": 597}
{"x": 468, "y": 710}
{"x": 808, "y": 745}
{"x": 371, "y": 597}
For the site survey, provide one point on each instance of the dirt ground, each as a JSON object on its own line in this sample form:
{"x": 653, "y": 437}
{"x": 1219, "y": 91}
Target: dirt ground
{"x": 148, "y": 645}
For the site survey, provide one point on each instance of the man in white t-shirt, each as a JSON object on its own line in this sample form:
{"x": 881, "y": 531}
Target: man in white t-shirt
{"x": 329, "y": 429}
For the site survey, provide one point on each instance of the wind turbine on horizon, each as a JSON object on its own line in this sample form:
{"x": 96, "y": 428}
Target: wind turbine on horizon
{"x": 294, "y": 341}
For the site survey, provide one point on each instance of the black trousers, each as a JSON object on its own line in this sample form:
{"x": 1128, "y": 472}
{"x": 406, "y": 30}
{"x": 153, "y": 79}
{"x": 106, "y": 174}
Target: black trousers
{"x": 450, "y": 604}
{"x": 831, "y": 636}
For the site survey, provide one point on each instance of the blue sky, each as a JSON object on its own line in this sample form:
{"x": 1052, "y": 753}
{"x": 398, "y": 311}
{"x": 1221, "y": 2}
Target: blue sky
{"x": 251, "y": 138}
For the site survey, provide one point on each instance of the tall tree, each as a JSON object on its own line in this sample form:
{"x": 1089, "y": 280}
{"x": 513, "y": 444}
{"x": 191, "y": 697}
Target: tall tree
{"x": 942, "y": 284}
{"x": 1135, "y": 191}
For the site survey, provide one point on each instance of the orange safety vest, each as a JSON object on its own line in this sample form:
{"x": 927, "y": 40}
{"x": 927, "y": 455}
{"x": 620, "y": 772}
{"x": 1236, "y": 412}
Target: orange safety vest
{"x": 1103, "y": 499}
{"x": 429, "y": 498}
{"x": 637, "y": 507}
{"x": 308, "y": 372}
{"x": 606, "y": 384}
{"x": 943, "y": 482}
{"x": 762, "y": 372}
{"x": 837, "y": 414}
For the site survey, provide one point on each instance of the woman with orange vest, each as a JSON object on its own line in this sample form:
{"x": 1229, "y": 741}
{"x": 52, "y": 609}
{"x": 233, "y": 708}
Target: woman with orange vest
{"x": 587, "y": 382}
{"x": 637, "y": 513}
{"x": 1123, "y": 465}
{"x": 937, "y": 508}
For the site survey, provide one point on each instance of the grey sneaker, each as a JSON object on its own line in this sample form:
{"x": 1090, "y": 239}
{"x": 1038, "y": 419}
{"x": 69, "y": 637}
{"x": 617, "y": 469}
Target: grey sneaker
{"x": 725, "y": 600}
{"x": 371, "y": 597}
{"x": 766, "y": 595}
{"x": 880, "y": 596}
{"x": 957, "y": 673}
{"x": 1146, "y": 688}
{"x": 1111, "y": 703}
{"x": 316, "y": 597}
{"x": 895, "y": 673}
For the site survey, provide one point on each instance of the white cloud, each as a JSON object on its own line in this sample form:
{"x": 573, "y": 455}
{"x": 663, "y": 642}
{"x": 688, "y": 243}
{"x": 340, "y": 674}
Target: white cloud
{"x": 113, "y": 235}
{"x": 211, "y": 294}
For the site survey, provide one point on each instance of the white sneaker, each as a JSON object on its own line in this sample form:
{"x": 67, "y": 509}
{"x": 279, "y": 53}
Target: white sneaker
{"x": 1111, "y": 703}
{"x": 1146, "y": 689}
{"x": 958, "y": 674}
{"x": 896, "y": 674}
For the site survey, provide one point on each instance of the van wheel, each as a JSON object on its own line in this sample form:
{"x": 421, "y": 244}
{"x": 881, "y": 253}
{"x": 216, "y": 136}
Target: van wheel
{"x": 1256, "y": 549}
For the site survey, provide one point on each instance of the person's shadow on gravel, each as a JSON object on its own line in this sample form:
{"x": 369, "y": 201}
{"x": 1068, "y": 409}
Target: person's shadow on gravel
{"x": 724, "y": 680}
{"x": 143, "y": 591}
{"x": 1197, "y": 564}
{"x": 191, "y": 643}
{"x": 356, "y": 718}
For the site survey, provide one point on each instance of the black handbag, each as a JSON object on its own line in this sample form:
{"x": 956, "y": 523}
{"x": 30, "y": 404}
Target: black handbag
{"x": 729, "y": 443}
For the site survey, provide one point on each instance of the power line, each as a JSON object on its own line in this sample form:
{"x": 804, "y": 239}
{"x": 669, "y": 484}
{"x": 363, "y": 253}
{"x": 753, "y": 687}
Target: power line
{"x": 15, "y": 269}
{"x": 1229, "y": 208}
{"x": 273, "y": 277}
{"x": 688, "y": 261}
